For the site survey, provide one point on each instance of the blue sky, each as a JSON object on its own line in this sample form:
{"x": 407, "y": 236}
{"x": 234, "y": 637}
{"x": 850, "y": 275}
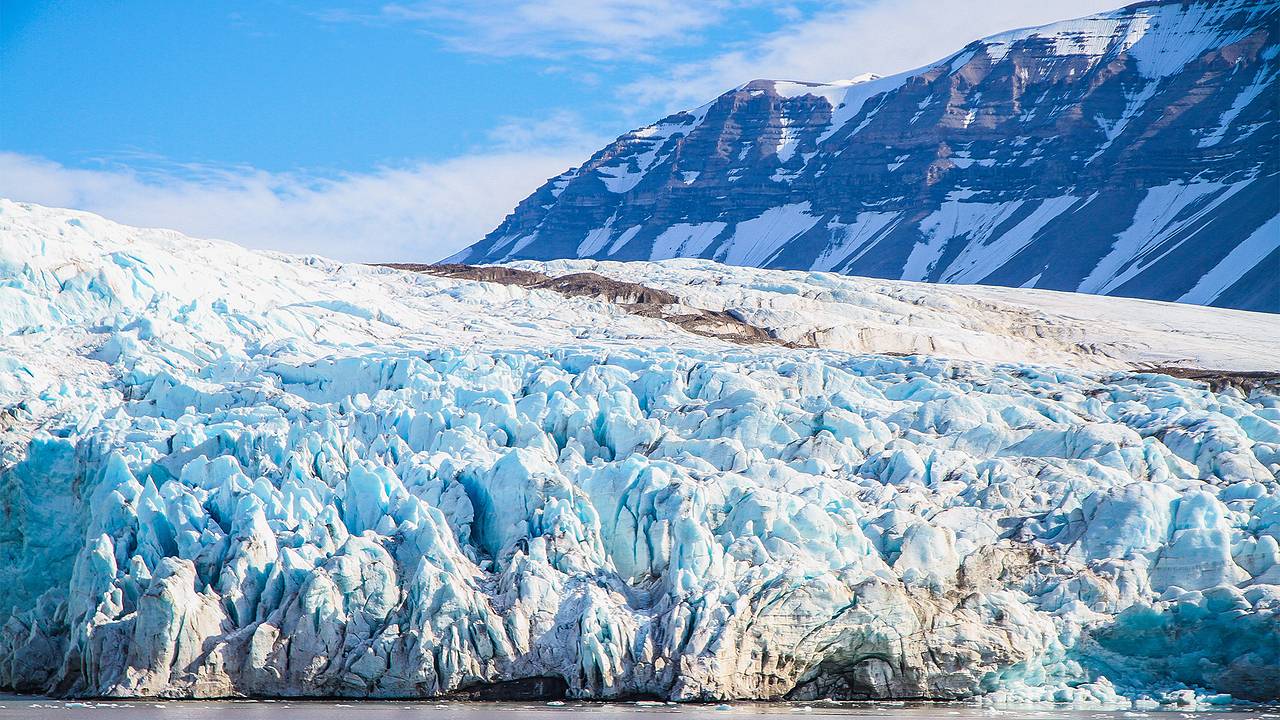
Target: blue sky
{"x": 401, "y": 130}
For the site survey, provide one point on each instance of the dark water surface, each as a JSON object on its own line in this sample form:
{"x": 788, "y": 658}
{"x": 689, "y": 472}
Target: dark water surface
{"x": 40, "y": 708}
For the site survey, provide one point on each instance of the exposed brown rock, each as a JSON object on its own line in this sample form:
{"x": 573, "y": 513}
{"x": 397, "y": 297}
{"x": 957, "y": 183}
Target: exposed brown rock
{"x": 1217, "y": 380}
{"x": 635, "y": 298}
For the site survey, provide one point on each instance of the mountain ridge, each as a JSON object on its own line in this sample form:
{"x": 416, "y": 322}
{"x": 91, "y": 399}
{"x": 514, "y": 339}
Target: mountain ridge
{"x": 1127, "y": 153}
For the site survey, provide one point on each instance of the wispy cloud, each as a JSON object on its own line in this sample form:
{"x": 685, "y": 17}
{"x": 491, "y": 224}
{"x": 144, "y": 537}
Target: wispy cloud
{"x": 419, "y": 212}
{"x": 600, "y": 30}
{"x": 810, "y": 41}
{"x": 884, "y": 37}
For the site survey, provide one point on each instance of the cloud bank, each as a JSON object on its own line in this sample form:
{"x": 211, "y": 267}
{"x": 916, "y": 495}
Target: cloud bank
{"x": 422, "y": 212}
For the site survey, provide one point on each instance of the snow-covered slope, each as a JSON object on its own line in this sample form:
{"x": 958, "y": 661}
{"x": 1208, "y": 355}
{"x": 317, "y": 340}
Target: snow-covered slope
{"x": 225, "y": 472}
{"x": 1132, "y": 153}
{"x": 974, "y": 322}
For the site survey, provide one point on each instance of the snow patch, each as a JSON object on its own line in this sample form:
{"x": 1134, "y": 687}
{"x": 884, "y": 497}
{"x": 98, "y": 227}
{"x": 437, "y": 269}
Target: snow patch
{"x": 1244, "y": 257}
{"x": 755, "y": 241}
{"x": 685, "y": 240}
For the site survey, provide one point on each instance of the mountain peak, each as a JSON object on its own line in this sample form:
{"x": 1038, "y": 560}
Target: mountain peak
{"x": 1134, "y": 152}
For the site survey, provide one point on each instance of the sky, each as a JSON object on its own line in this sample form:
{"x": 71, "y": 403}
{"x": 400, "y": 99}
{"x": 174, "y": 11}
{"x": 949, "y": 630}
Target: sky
{"x": 407, "y": 130}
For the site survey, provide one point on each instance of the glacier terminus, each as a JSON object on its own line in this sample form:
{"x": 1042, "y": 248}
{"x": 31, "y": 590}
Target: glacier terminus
{"x": 228, "y": 473}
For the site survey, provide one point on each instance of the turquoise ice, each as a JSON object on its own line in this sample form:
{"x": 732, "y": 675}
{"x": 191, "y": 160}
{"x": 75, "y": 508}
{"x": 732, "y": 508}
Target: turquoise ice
{"x": 227, "y": 473}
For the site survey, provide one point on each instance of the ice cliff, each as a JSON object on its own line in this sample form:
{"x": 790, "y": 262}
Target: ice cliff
{"x": 225, "y": 472}
{"x": 1134, "y": 153}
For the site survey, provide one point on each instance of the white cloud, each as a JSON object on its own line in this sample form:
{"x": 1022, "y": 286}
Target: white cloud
{"x": 419, "y": 213}
{"x": 884, "y": 37}
{"x": 423, "y": 212}
{"x": 601, "y": 30}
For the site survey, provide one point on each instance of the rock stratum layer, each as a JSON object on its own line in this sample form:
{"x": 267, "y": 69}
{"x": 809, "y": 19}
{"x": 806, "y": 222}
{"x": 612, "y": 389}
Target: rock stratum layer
{"x": 1133, "y": 153}
{"x": 232, "y": 473}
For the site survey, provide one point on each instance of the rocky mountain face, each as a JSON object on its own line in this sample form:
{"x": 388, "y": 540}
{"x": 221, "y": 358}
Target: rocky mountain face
{"x": 1131, "y": 153}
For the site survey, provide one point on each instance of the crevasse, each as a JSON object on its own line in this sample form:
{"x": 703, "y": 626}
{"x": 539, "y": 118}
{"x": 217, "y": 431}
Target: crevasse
{"x": 229, "y": 473}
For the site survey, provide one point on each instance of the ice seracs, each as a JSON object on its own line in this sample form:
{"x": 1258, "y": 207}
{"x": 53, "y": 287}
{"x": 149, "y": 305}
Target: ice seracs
{"x": 229, "y": 473}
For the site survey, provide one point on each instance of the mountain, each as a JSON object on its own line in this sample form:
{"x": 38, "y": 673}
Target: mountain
{"x": 1132, "y": 153}
{"x": 229, "y": 473}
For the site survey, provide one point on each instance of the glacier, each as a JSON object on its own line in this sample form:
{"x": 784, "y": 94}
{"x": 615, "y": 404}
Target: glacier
{"x": 232, "y": 473}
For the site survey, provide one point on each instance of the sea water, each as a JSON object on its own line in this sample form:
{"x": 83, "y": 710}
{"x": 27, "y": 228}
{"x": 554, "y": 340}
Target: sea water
{"x": 37, "y": 707}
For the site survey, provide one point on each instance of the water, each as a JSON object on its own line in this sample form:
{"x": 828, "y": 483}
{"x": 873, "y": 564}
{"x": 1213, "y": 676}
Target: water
{"x": 37, "y": 708}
